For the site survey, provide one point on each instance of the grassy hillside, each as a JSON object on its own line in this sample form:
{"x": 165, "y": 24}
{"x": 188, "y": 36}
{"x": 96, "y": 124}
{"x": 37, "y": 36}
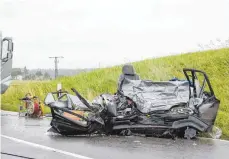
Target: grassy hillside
{"x": 215, "y": 63}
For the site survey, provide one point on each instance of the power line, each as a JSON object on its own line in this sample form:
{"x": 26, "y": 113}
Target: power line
{"x": 56, "y": 64}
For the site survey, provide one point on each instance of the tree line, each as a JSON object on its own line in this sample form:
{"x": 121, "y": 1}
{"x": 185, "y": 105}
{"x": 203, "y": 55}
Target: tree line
{"x": 25, "y": 74}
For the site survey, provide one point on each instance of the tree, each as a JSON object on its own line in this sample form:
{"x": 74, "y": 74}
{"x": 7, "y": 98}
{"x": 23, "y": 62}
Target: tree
{"x": 215, "y": 45}
{"x": 39, "y": 73}
{"x": 32, "y": 76}
{"x": 46, "y": 75}
{"x": 26, "y": 71}
{"x": 16, "y": 72}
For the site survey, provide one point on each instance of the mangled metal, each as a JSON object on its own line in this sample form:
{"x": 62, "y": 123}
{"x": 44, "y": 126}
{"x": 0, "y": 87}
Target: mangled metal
{"x": 166, "y": 108}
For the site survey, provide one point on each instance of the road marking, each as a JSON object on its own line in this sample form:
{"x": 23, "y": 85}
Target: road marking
{"x": 46, "y": 147}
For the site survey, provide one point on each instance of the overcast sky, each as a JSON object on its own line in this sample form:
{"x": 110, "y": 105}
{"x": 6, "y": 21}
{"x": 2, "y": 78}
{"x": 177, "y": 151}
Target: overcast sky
{"x": 92, "y": 32}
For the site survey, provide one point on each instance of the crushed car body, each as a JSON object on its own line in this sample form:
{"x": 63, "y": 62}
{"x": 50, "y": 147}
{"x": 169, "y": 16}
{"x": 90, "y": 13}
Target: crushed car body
{"x": 154, "y": 108}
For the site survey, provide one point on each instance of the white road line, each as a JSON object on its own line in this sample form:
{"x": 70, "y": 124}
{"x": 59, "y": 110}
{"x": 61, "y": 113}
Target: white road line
{"x": 46, "y": 147}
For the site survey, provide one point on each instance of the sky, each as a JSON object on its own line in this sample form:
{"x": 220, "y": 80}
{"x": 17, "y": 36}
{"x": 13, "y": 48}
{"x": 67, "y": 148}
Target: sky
{"x": 102, "y": 33}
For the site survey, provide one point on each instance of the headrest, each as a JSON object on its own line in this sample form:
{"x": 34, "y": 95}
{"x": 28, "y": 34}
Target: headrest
{"x": 128, "y": 69}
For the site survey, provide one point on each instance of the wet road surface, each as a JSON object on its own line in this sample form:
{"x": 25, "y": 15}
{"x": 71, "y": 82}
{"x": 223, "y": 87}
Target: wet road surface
{"x": 36, "y": 142}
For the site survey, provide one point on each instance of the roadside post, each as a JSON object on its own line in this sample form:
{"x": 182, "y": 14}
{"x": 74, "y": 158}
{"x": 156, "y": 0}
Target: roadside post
{"x": 59, "y": 87}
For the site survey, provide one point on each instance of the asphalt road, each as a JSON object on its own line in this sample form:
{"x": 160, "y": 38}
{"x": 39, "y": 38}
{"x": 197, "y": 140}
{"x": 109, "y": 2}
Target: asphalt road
{"x": 29, "y": 138}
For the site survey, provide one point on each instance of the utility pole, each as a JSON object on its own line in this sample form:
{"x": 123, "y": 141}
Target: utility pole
{"x": 56, "y": 64}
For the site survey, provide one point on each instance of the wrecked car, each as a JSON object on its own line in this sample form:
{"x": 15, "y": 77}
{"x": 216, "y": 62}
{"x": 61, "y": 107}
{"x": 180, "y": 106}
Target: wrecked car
{"x": 172, "y": 108}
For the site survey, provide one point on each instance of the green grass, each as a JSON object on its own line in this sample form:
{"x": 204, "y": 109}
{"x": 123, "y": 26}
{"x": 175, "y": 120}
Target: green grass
{"x": 215, "y": 63}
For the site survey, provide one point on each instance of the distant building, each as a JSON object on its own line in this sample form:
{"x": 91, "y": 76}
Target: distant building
{"x": 19, "y": 77}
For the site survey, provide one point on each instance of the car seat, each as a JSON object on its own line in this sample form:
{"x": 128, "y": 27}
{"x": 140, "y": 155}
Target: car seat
{"x": 128, "y": 72}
